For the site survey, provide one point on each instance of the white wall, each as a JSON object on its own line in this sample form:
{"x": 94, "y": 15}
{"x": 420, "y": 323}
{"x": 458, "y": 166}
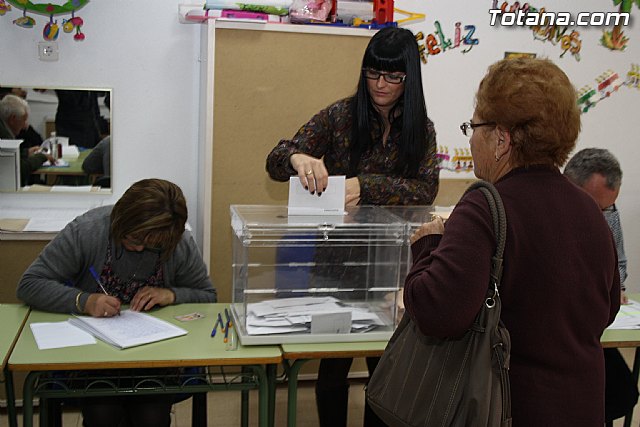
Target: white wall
{"x": 452, "y": 77}
{"x": 150, "y": 60}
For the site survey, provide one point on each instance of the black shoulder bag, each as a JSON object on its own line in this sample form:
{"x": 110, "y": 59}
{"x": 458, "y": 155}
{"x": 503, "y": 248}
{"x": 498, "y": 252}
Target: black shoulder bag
{"x": 432, "y": 382}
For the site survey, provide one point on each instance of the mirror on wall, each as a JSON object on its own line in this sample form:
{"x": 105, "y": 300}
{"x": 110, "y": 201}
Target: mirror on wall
{"x": 66, "y": 139}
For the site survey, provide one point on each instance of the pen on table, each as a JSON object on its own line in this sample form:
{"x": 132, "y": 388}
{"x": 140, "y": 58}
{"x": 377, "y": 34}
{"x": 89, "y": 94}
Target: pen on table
{"x": 226, "y": 313}
{"x": 226, "y": 332}
{"x": 97, "y": 279}
{"x": 215, "y": 327}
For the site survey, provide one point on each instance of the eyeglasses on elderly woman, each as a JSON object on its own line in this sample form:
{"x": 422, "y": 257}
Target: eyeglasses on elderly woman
{"x": 392, "y": 78}
{"x": 467, "y": 126}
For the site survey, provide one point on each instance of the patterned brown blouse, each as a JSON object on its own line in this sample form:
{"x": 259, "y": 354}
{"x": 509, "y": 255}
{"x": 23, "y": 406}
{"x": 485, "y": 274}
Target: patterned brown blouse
{"x": 328, "y": 134}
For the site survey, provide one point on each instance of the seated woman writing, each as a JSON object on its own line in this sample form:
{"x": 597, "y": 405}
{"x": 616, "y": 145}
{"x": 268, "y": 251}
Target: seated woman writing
{"x": 143, "y": 256}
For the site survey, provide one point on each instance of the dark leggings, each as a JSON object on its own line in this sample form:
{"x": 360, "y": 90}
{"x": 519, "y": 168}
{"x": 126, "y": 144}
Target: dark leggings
{"x": 332, "y": 393}
{"x": 130, "y": 411}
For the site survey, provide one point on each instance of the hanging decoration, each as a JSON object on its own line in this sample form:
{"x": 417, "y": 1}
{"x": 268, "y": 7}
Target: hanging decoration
{"x": 4, "y": 7}
{"x": 608, "y": 83}
{"x": 51, "y": 30}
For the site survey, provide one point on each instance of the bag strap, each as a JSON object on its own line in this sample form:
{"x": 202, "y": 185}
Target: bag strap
{"x": 499, "y": 218}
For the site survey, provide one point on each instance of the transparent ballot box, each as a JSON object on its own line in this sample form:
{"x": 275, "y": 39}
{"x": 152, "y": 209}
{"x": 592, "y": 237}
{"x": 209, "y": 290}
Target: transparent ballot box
{"x": 299, "y": 279}
{"x": 413, "y": 217}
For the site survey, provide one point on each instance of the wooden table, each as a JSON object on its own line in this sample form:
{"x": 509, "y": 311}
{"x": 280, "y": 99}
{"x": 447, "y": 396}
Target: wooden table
{"x": 196, "y": 349}
{"x": 74, "y": 169}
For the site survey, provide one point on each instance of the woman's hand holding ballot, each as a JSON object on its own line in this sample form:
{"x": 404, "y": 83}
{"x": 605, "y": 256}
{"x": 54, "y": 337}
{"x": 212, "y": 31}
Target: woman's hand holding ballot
{"x": 311, "y": 171}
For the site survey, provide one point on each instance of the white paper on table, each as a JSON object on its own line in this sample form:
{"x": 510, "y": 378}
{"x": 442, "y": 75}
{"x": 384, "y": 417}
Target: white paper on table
{"x": 129, "y": 329}
{"x": 59, "y": 334}
{"x": 628, "y": 316}
{"x": 301, "y": 202}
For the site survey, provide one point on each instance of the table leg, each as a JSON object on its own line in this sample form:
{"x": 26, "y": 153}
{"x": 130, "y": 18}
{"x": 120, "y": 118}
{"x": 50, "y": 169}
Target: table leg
{"x": 244, "y": 404}
{"x": 271, "y": 382}
{"x": 292, "y": 392}
{"x": 11, "y": 398}
{"x": 636, "y": 372}
{"x": 27, "y": 398}
{"x": 263, "y": 395}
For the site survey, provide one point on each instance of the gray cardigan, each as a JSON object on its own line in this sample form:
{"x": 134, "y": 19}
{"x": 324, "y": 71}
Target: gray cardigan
{"x": 53, "y": 280}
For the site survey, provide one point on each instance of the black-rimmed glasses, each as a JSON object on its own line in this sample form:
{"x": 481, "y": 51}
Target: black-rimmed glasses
{"x": 466, "y": 126}
{"x": 392, "y": 78}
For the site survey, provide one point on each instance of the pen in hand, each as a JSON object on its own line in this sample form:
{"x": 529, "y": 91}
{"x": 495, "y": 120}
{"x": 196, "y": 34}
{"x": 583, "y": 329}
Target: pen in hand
{"x": 97, "y": 279}
{"x": 99, "y": 282}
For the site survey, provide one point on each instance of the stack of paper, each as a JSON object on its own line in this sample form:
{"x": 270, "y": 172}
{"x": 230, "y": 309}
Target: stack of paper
{"x": 628, "y": 317}
{"x": 308, "y": 314}
{"x": 129, "y": 329}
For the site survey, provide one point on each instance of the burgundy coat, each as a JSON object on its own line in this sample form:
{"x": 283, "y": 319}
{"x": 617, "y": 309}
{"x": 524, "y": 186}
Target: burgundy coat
{"x": 560, "y": 289}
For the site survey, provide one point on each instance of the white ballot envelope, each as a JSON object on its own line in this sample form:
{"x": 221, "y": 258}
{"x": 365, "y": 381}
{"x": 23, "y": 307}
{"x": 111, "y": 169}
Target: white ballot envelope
{"x": 331, "y": 202}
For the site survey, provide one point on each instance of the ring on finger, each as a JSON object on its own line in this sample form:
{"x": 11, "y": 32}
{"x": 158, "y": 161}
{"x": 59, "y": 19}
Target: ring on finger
{"x": 106, "y": 314}
{"x": 310, "y": 172}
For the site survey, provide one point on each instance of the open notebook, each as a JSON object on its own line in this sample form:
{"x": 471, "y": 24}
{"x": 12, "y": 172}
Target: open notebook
{"x": 130, "y": 329}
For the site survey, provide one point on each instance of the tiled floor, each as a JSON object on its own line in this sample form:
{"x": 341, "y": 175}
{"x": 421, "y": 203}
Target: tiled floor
{"x": 224, "y": 408}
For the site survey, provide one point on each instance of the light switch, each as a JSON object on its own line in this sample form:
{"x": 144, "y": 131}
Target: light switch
{"x": 48, "y": 51}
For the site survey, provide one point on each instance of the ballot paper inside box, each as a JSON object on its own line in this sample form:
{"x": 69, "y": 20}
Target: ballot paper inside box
{"x": 299, "y": 279}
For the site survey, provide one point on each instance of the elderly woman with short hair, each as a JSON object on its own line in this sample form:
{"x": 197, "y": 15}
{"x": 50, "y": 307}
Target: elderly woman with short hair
{"x": 560, "y": 287}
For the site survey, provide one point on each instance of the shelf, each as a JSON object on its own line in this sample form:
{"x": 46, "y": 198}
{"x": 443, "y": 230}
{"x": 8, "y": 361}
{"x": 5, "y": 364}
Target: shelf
{"x": 194, "y": 14}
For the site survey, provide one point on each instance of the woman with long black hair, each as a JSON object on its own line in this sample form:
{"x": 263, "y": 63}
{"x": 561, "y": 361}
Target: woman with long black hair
{"x": 383, "y": 141}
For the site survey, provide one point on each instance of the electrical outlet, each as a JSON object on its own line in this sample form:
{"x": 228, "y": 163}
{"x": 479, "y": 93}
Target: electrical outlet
{"x": 48, "y": 51}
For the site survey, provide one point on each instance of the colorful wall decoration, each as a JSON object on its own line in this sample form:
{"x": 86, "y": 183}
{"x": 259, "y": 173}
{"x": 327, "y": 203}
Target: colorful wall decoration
{"x": 608, "y": 83}
{"x": 51, "y": 29}
{"x": 460, "y": 161}
{"x": 568, "y": 40}
{"x": 615, "y": 39}
{"x": 437, "y": 42}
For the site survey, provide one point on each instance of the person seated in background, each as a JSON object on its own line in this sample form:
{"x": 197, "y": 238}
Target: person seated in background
{"x": 143, "y": 256}
{"x": 30, "y": 136}
{"x": 598, "y": 172}
{"x": 14, "y": 118}
{"x": 98, "y": 162}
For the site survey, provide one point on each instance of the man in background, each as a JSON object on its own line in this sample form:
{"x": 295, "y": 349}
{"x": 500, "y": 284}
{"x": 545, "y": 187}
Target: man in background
{"x": 598, "y": 172}
{"x": 14, "y": 118}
